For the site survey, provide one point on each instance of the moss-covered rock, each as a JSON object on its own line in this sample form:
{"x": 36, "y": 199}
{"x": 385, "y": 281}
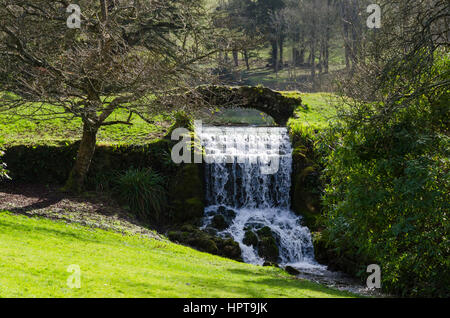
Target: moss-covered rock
{"x": 306, "y": 184}
{"x": 291, "y": 270}
{"x": 205, "y": 242}
{"x": 273, "y": 103}
{"x": 268, "y": 249}
{"x": 187, "y": 195}
{"x": 229, "y": 248}
{"x": 250, "y": 238}
{"x": 267, "y": 245}
{"x": 222, "y": 218}
{"x": 219, "y": 222}
{"x": 344, "y": 260}
{"x": 265, "y": 232}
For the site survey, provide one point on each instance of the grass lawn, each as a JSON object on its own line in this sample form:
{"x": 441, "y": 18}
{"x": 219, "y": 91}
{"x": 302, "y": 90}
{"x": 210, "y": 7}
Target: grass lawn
{"x": 35, "y": 254}
{"x": 318, "y": 113}
{"x": 20, "y": 130}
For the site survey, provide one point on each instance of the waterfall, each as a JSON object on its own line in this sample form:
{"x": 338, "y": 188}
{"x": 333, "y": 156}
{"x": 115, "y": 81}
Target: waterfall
{"x": 248, "y": 181}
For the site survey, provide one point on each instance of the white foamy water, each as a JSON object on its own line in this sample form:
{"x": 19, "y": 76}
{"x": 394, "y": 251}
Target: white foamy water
{"x": 248, "y": 172}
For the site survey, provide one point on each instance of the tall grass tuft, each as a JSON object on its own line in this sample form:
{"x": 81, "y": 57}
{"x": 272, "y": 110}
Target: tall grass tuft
{"x": 144, "y": 192}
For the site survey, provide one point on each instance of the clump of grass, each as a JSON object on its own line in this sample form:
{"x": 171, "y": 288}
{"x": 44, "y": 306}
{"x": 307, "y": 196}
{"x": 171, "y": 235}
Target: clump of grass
{"x": 143, "y": 191}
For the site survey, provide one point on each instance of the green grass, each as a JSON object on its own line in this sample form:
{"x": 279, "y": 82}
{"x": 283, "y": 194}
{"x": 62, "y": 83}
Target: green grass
{"x": 35, "y": 254}
{"x": 21, "y": 130}
{"x": 319, "y": 111}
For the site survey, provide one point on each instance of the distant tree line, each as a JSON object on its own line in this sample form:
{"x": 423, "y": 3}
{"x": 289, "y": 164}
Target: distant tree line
{"x": 308, "y": 26}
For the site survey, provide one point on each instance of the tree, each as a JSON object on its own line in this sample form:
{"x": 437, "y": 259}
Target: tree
{"x": 387, "y": 198}
{"x": 242, "y": 36}
{"x": 127, "y": 54}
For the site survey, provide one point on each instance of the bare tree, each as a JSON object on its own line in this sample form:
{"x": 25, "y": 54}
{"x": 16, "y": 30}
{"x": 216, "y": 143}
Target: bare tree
{"x": 127, "y": 54}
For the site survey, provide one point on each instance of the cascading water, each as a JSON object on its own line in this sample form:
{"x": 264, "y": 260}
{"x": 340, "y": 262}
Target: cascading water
{"x": 248, "y": 181}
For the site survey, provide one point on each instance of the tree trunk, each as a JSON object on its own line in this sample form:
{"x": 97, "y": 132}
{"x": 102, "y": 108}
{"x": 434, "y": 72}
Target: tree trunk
{"x": 236, "y": 58}
{"x": 274, "y": 57}
{"x": 281, "y": 46}
{"x": 77, "y": 176}
{"x": 247, "y": 60}
{"x": 313, "y": 60}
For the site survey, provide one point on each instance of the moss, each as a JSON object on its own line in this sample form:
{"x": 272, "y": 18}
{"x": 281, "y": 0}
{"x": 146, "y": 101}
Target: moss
{"x": 182, "y": 120}
{"x": 305, "y": 202}
{"x": 273, "y": 103}
{"x": 306, "y": 184}
{"x": 205, "y": 242}
{"x": 187, "y": 195}
{"x": 265, "y": 232}
{"x": 268, "y": 249}
{"x": 207, "y": 245}
{"x": 219, "y": 222}
{"x": 229, "y": 248}
{"x": 250, "y": 238}
{"x": 267, "y": 245}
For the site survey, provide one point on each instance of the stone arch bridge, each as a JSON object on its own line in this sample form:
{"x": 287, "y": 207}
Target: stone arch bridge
{"x": 273, "y": 103}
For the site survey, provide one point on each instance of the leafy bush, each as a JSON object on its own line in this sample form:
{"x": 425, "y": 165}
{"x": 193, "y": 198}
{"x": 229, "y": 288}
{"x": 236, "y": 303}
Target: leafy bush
{"x": 143, "y": 191}
{"x": 387, "y": 200}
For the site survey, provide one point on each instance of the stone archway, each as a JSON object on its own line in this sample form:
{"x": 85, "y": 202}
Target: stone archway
{"x": 280, "y": 107}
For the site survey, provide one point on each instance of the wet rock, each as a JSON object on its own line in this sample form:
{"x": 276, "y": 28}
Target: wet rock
{"x": 230, "y": 215}
{"x": 267, "y": 245}
{"x": 221, "y": 209}
{"x": 219, "y": 222}
{"x": 291, "y": 270}
{"x": 265, "y": 232}
{"x": 268, "y": 249}
{"x": 205, "y": 242}
{"x": 250, "y": 238}
{"x": 223, "y": 218}
{"x": 229, "y": 248}
{"x": 187, "y": 195}
{"x": 211, "y": 231}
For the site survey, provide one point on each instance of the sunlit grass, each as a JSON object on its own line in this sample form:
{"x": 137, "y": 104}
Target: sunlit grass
{"x": 35, "y": 254}
{"x": 24, "y": 129}
{"x": 317, "y": 112}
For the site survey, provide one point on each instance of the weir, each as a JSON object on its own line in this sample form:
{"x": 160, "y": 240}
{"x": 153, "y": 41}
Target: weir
{"x": 248, "y": 181}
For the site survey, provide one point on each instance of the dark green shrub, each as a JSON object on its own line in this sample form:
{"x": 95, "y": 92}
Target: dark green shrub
{"x": 387, "y": 200}
{"x": 144, "y": 192}
{"x": 51, "y": 164}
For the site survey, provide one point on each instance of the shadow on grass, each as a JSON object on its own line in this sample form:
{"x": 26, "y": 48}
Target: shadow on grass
{"x": 291, "y": 284}
{"x": 45, "y": 231}
{"x": 43, "y": 200}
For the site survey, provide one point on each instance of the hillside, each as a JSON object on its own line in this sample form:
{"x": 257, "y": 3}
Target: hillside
{"x": 36, "y": 253}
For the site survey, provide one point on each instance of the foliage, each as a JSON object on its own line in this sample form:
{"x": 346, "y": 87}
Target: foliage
{"x": 387, "y": 200}
{"x": 144, "y": 192}
{"x": 106, "y": 64}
